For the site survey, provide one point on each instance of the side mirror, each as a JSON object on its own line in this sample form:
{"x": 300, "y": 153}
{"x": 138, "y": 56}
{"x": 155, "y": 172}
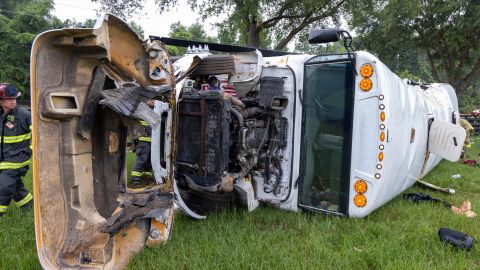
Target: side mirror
{"x": 324, "y": 36}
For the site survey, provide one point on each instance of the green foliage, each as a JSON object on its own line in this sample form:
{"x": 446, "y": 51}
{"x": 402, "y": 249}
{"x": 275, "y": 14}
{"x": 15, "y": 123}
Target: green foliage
{"x": 436, "y": 39}
{"x": 407, "y": 74}
{"x": 230, "y": 32}
{"x": 227, "y": 34}
{"x": 90, "y": 23}
{"x": 121, "y": 8}
{"x": 137, "y": 29}
{"x": 469, "y": 99}
{"x": 271, "y": 24}
{"x": 192, "y": 32}
{"x": 72, "y": 23}
{"x": 256, "y": 23}
{"x": 20, "y": 22}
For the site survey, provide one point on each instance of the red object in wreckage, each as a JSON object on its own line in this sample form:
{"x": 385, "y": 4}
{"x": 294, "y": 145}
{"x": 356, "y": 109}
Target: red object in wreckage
{"x": 470, "y": 162}
{"x": 229, "y": 89}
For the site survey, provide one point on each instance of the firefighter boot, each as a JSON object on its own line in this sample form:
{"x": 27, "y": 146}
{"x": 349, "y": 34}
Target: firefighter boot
{"x": 27, "y": 207}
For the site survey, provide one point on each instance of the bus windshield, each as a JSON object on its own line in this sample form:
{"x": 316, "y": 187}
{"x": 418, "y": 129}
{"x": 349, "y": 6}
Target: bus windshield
{"x": 327, "y": 132}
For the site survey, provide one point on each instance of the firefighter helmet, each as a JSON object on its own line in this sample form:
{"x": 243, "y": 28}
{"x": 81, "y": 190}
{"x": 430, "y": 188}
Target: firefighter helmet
{"x": 8, "y": 91}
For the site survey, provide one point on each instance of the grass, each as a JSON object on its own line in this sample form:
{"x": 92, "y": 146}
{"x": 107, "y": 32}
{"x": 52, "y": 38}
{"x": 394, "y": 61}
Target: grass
{"x": 399, "y": 235}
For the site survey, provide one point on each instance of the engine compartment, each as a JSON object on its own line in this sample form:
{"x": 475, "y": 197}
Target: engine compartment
{"x": 231, "y": 144}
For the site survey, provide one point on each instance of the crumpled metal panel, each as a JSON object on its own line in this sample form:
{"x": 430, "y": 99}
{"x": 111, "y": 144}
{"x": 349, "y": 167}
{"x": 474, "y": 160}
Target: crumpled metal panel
{"x": 79, "y": 174}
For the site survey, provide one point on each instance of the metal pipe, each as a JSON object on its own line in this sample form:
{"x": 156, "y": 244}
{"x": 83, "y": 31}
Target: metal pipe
{"x": 253, "y": 111}
{"x": 238, "y": 115}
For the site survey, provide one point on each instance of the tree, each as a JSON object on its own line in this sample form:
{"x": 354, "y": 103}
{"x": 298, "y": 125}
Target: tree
{"x": 192, "y": 32}
{"x": 72, "y": 23}
{"x": 20, "y": 22}
{"x": 121, "y": 8}
{"x": 137, "y": 28}
{"x": 442, "y": 35}
{"x": 469, "y": 99}
{"x": 252, "y": 20}
{"x": 90, "y": 23}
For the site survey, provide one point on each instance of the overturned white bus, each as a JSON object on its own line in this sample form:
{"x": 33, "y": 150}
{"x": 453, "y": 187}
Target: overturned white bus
{"x": 336, "y": 133}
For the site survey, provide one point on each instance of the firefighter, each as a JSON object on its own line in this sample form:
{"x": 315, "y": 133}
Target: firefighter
{"x": 15, "y": 150}
{"x": 469, "y": 129}
{"x": 143, "y": 163}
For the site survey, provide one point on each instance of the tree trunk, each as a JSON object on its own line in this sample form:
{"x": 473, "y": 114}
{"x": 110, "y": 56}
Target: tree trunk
{"x": 253, "y": 34}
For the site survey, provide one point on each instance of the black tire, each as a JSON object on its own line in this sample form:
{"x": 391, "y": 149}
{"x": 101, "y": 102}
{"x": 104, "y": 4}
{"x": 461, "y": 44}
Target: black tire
{"x": 203, "y": 202}
{"x": 215, "y": 65}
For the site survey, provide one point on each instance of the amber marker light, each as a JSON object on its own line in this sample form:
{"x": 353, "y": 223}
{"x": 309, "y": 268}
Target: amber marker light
{"x": 361, "y": 186}
{"x": 382, "y": 116}
{"x": 380, "y": 156}
{"x": 366, "y": 84}
{"x": 382, "y": 136}
{"x": 366, "y": 71}
{"x": 360, "y": 200}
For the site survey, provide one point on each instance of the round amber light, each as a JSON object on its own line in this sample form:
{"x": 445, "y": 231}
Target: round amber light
{"x": 382, "y": 136}
{"x": 380, "y": 156}
{"x": 361, "y": 186}
{"x": 366, "y": 84}
{"x": 366, "y": 71}
{"x": 382, "y": 116}
{"x": 360, "y": 200}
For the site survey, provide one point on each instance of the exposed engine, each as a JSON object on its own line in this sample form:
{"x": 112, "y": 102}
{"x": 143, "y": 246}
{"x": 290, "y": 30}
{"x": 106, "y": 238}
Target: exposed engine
{"x": 223, "y": 138}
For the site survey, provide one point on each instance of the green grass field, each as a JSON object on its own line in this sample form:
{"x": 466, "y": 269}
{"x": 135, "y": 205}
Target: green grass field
{"x": 400, "y": 235}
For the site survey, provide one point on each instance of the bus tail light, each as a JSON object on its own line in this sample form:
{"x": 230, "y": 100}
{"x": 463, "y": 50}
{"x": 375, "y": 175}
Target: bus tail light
{"x": 360, "y": 200}
{"x": 361, "y": 186}
{"x": 366, "y": 71}
{"x": 366, "y": 84}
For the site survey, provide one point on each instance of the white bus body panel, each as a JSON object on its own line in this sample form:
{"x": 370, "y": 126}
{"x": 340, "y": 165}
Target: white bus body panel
{"x": 446, "y": 140}
{"x": 408, "y": 109}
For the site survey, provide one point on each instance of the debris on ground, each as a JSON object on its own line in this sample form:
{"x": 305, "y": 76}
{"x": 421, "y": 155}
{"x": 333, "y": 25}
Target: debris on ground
{"x": 464, "y": 209}
{"x": 456, "y": 238}
{"x": 471, "y": 162}
{"x": 434, "y": 187}
{"x": 420, "y": 197}
{"x": 456, "y": 176}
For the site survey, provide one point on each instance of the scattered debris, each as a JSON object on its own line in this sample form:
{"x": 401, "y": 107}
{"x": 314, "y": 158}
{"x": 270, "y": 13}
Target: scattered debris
{"x": 471, "y": 162}
{"x": 420, "y": 197}
{"x": 456, "y": 238}
{"x": 456, "y": 176}
{"x": 434, "y": 187}
{"x": 464, "y": 209}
